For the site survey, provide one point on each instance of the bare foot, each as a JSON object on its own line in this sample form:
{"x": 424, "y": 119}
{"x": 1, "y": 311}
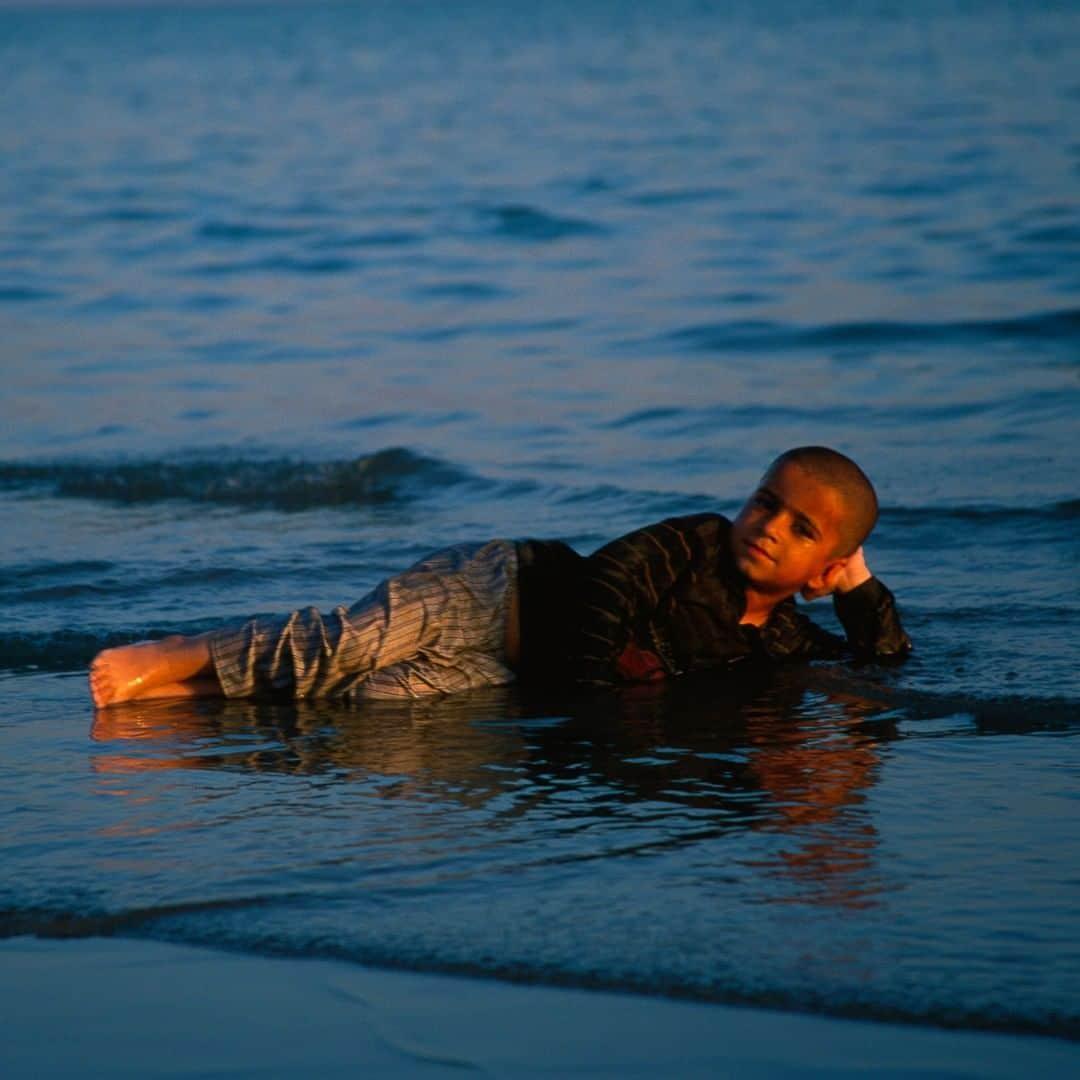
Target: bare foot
{"x": 124, "y": 673}
{"x": 172, "y": 667}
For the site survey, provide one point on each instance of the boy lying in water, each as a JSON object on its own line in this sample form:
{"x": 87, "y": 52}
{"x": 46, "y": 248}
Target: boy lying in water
{"x": 687, "y": 594}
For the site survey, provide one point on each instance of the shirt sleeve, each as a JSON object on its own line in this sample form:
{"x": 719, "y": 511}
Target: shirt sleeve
{"x": 871, "y": 621}
{"x": 622, "y": 585}
{"x": 871, "y": 625}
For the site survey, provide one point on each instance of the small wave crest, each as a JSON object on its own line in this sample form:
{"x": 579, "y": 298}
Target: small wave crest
{"x": 72, "y": 650}
{"x": 520, "y": 222}
{"x": 68, "y": 922}
{"x": 1063, "y": 510}
{"x": 742, "y": 335}
{"x": 386, "y": 476}
{"x": 995, "y": 712}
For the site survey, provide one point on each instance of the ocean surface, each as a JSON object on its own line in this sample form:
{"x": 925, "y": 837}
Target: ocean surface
{"x": 290, "y": 296}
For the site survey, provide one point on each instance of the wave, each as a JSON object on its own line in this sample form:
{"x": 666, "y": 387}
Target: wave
{"x": 1063, "y": 510}
{"x": 520, "y": 222}
{"x": 51, "y": 584}
{"x": 272, "y": 264}
{"x": 72, "y": 650}
{"x": 1000, "y": 713}
{"x": 65, "y": 922}
{"x": 24, "y": 293}
{"x": 232, "y": 924}
{"x": 388, "y": 476}
{"x": 240, "y": 231}
{"x": 394, "y": 474}
{"x": 701, "y": 422}
{"x": 750, "y": 335}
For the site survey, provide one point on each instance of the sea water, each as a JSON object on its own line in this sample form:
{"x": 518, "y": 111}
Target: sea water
{"x": 290, "y": 296}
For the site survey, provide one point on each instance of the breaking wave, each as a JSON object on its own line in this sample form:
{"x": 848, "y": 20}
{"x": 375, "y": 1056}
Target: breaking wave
{"x": 384, "y": 477}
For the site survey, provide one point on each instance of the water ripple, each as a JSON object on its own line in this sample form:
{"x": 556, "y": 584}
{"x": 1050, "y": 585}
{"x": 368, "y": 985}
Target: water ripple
{"x": 519, "y": 222}
{"x": 1052, "y": 326}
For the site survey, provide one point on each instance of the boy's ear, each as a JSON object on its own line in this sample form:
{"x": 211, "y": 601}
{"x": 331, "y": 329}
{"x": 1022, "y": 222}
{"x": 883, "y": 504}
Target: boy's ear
{"x": 824, "y": 583}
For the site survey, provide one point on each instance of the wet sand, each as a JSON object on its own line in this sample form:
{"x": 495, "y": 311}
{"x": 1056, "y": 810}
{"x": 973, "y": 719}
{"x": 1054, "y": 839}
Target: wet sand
{"x": 110, "y": 1007}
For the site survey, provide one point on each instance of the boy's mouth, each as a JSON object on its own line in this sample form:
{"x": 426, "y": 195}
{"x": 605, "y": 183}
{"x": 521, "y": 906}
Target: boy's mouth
{"x": 756, "y": 551}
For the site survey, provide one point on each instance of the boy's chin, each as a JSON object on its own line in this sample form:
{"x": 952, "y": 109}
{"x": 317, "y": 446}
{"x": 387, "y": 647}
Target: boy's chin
{"x": 751, "y": 569}
{"x": 759, "y": 577}
{"x": 744, "y": 564}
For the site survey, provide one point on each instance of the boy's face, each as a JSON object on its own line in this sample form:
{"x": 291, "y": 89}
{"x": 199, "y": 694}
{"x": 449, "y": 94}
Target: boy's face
{"x": 788, "y": 533}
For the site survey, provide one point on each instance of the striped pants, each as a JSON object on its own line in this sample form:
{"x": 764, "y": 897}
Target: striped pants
{"x": 437, "y": 628}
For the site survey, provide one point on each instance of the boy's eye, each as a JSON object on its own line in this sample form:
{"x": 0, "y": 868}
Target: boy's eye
{"x": 804, "y": 530}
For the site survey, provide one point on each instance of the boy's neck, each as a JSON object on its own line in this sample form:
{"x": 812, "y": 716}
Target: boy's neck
{"x": 759, "y": 606}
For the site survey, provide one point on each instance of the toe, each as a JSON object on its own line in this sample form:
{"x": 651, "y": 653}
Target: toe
{"x": 100, "y": 689}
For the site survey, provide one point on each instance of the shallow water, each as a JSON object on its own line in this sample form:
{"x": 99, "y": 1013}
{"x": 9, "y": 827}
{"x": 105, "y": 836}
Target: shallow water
{"x": 289, "y": 298}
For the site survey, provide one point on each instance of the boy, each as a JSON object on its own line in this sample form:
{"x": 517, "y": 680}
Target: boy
{"x": 686, "y": 594}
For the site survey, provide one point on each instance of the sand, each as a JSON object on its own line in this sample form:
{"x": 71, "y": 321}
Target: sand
{"x": 133, "y": 1008}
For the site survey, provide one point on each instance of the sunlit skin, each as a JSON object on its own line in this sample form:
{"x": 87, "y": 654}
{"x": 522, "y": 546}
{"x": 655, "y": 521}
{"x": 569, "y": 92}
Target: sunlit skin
{"x": 786, "y": 540}
{"x": 172, "y": 667}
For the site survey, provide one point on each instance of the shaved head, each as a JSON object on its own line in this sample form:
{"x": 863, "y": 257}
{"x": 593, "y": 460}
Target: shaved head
{"x": 840, "y": 473}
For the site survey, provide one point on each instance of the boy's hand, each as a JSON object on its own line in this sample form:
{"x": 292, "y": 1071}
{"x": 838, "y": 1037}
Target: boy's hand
{"x": 855, "y": 572}
{"x": 843, "y": 577}
{"x": 636, "y": 664}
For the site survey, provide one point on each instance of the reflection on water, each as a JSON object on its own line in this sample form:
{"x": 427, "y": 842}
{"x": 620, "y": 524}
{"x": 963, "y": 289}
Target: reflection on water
{"x": 688, "y": 761}
{"x": 812, "y": 840}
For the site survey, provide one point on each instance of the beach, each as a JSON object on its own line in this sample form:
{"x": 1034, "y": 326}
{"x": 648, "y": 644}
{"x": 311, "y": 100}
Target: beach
{"x": 293, "y": 295}
{"x": 110, "y": 1007}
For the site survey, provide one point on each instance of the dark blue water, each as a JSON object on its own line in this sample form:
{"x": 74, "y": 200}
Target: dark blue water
{"x": 290, "y": 297}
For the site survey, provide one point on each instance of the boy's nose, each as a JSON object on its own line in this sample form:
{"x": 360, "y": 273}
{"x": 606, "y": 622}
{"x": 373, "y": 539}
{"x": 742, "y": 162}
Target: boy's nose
{"x": 769, "y": 525}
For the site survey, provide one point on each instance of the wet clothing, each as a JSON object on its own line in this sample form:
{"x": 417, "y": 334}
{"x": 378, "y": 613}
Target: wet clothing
{"x": 437, "y": 628}
{"x": 667, "y": 599}
{"x": 660, "y": 601}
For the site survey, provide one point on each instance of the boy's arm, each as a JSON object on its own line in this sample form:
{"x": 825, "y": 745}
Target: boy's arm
{"x": 621, "y": 586}
{"x": 867, "y": 611}
{"x": 871, "y": 621}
